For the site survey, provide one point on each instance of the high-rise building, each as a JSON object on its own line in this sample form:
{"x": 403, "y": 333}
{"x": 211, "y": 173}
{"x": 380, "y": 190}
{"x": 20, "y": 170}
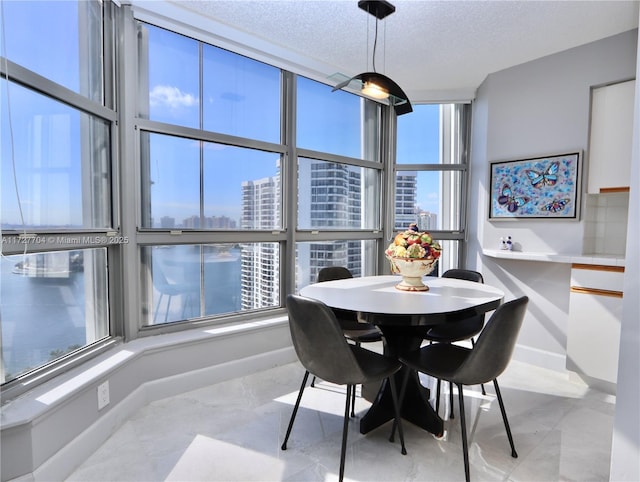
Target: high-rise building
{"x": 167, "y": 222}
{"x": 329, "y": 197}
{"x": 332, "y": 200}
{"x": 260, "y": 262}
{"x": 406, "y": 199}
{"x": 427, "y": 221}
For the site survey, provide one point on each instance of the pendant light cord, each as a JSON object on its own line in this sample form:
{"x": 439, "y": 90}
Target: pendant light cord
{"x": 375, "y": 44}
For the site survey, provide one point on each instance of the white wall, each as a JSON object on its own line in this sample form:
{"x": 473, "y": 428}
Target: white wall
{"x": 538, "y": 108}
{"x": 625, "y": 450}
{"x": 542, "y": 107}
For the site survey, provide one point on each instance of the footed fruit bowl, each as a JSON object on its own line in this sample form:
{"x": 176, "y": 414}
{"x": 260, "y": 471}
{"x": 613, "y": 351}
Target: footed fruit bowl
{"x": 413, "y": 254}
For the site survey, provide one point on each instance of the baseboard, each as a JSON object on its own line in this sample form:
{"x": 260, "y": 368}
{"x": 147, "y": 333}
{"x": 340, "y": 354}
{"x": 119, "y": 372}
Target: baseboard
{"x": 601, "y": 385}
{"x": 65, "y": 461}
{"x": 540, "y": 358}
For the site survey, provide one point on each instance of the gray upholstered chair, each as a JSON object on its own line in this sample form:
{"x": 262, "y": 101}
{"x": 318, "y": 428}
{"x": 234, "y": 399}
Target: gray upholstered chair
{"x": 458, "y": 331}
{"x": 324, "y": 351}
{"x": 355, "y": 330}
{"x": 471, "y": 366}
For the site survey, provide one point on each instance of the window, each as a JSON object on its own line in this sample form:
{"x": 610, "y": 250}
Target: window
{"x": 334, "y": 196}
{"x": 311, "y": 257}
{"x": 339, "y": 178}
{"x": 63, "y": 41}
{"x": 190, "y": 204}
{"x": 53, "y": 303}
{"x": 58, "y": 224}
{"x": 196, "y": 281}
{"x": 211, "y": 160}
{"x": 237, "y": 96}
{"x": 55, "y": 161}
{"x": 204, "y": 185}
{"x": 430, "y": 173}
{"x": 333, "y": 121}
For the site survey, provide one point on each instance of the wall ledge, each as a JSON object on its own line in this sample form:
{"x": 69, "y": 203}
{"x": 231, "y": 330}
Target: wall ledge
{"x": 596, "y": 259}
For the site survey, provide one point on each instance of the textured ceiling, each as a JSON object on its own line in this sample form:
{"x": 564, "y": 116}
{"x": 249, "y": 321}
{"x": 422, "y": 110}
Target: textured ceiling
{"x": 430, "y": 48}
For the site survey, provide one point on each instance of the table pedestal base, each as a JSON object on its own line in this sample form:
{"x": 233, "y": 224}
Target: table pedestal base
{"x": 415, "y": 407}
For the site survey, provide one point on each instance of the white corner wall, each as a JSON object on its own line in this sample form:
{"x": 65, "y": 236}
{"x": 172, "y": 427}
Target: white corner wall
{"x": 538, "y": 108}
{"x": 625, "y": 449}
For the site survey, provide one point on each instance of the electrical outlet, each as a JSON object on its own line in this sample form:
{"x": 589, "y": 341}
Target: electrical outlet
{"x": 103, "y": 395}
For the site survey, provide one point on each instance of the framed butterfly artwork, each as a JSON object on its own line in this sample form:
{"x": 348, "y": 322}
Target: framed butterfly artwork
{"x": 546, "y": 187}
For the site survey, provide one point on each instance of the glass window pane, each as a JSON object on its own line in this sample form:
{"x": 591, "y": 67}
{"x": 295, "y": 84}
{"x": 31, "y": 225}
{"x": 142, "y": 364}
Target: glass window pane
{"x": 171, "y": 181}
{"x": 419, "y": 136}
{"x": 55, "y": 164}
{"x": 429, "y": 198}
{"x": 173, "y": 77}
{"x": 337, "y": 196}
{"x": 335, "y": 122}
{"x": 60, "y": 40}
{"x": 357, "y": 255}
{"x": 195, "y": 281}
{"x": 241, "y": 188}
{"x": 450, "y": 256}
{"x": 52, "y": 303}
{"x": 241, "y": 96}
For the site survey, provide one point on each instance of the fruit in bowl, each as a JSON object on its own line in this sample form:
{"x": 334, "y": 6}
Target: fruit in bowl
{"x": 413, "y": 254}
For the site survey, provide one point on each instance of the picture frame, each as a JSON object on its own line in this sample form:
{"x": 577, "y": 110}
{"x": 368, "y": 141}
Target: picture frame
{"x": 545, "y": 187}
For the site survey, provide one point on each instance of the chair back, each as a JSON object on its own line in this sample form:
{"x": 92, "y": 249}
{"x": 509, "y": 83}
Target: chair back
{"x": 466, "y": 328}
{"x": 346, "y": 318}
{"x": 330, "y": 273}
{"x": 494, "y": 347}
{"x": 320, "y": 343}
{"x": 465, "y": 274}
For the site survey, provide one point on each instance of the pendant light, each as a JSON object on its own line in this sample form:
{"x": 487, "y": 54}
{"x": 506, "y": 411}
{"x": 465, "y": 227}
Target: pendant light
{"x": 374, "y": 84}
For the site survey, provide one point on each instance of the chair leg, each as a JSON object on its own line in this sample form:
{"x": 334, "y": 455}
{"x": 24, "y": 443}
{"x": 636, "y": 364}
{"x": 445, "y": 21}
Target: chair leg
{"x": 345, "y": 429}
{"x": 166, "y": 313}
{"x": 397, "y": 420}
{"x": 451, "y": 415}
{"x": 295, "y": 409}
{"x": 313, "y": 382}
{"x": 463, "y": 427}
{"x": 353, "y": 402}
{"x": 473, "y": 343}
{"x": 514, "y": 454}
{"x": 438, "y": 395}
{"x": 155, "y": 314}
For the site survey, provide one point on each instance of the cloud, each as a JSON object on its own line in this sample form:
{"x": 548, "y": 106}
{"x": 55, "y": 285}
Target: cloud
{"x": 171, "y": 97}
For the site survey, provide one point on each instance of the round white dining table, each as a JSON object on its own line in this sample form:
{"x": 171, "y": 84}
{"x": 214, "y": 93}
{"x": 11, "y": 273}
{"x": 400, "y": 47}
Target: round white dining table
{"x": 403, "y": 317}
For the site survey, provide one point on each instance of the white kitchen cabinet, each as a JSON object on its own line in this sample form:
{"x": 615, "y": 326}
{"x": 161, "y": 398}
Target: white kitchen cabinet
{"x": 610, "y": 137}
{"x": 595, "y": 313}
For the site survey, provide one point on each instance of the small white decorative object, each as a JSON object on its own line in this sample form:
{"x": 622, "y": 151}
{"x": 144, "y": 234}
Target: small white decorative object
{"x": 509, "y": 243}
{"x": 503, "y": 243}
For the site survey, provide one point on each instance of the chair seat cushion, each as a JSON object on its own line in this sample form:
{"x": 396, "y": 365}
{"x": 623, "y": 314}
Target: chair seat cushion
{"x": 440, "y": 360}
{"x": 374, "y": 366}
{"x": 364, "y": 336}
{"x": 457, "y": 331}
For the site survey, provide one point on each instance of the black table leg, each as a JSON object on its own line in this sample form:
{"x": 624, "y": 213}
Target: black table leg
{"x": 415, "y": 405}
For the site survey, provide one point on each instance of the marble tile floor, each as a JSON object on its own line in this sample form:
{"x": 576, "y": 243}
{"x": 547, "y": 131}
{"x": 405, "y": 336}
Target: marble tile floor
{"x": 232, "y": 431}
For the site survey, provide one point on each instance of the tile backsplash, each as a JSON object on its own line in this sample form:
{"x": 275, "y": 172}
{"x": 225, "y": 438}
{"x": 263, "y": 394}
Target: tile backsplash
{"x": 605, "y": 230}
